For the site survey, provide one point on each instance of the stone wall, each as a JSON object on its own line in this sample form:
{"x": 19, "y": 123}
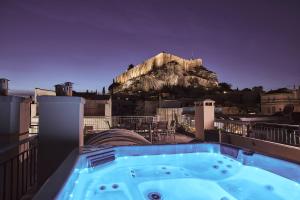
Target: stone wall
{"x": 156, "y": 61}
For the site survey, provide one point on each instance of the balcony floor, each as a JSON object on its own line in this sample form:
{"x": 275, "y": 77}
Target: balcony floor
{"x": 179, "y": 138}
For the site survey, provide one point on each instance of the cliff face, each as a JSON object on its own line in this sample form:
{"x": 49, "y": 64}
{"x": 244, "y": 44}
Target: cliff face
{"x": 165, "y": 69}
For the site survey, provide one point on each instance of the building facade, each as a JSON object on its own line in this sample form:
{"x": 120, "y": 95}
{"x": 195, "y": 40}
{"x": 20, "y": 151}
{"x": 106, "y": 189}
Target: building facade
{"x": 274, "y": 102}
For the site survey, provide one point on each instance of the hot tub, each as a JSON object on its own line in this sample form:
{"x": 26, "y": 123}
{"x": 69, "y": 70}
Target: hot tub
{"x": 184, "y": 172}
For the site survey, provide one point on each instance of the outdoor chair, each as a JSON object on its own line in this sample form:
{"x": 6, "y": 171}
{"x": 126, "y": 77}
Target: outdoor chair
{"x": 172, "y": 129}
{"x": 161, "y": 130}
{"x": 144, "y": 129}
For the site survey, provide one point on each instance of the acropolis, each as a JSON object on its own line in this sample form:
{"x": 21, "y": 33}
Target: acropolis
{"x": 157, "y": 61}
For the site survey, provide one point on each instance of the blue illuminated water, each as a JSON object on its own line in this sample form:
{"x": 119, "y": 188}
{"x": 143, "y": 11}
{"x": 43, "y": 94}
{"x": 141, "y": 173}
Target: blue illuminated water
{"x": 191, "y": 173}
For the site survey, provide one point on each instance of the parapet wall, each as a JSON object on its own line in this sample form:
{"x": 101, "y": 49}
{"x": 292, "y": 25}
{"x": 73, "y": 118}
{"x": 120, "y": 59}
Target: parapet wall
{"x": 156, "y": 61}
{"x": 280, "y": 151}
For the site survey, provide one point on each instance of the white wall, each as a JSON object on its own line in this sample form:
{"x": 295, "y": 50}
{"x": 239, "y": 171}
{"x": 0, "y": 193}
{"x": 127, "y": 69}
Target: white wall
{"x": 204, "y": 117}
{"x": 14, "y": 118}
{"x": 60, "y": 130}
{"x": 14, "y": 115}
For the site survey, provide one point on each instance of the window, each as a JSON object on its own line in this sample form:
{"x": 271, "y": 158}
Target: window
{"x": 273, "y": 109}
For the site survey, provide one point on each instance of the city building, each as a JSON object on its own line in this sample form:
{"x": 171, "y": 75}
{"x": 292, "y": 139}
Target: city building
{"x": 34, "y": 110}
{"x": 279, "y": 100}
{"x": 65, "y": 156}
{"x": 228, "y": 110}
{"x": 96, "y": 104}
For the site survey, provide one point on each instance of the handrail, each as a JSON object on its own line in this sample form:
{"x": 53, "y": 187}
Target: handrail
{"x": 17, "y": 143}
{"x": 257, "y": 122}
{"x": 18, "y": 172}
{"x": 288, "y": 134}
{"x": 276, "y": 124}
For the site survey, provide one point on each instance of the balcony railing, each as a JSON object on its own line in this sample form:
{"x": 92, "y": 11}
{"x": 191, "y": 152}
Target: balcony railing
{"x": 100, "y": 123}
{"x": 18, "y": 169}
{"x": 233, "y": 126}
{"x": 96, "y": 123}
{"x": 131, "y": 121}
{"x": 279, "y": 133}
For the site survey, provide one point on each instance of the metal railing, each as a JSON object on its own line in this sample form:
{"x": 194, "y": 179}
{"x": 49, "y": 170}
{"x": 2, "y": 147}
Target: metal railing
{"x": 233, "y": 126}
{"x": 130, "y": 122}
{"x": 101, "y": 123}
{"x": 189, "y": 120}
{"x": 18, "y": 169}
{"x": 96, "y": 123}
{"x": 279, "y": 133}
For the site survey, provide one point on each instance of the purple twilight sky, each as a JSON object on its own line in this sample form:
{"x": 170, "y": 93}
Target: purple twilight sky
{"x": 246, "y": 43}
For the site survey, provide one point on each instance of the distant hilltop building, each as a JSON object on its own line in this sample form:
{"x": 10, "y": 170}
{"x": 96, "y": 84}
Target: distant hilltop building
{"x": 165, "y": 69}
{"x": 157, "y": 61}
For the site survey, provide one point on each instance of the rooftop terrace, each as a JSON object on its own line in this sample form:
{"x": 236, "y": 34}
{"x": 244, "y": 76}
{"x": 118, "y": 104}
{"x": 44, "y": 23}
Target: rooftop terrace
{"x": 69, "y": 146}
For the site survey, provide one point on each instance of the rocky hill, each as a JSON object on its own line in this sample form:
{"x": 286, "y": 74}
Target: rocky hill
{"x": 165, "y": 70}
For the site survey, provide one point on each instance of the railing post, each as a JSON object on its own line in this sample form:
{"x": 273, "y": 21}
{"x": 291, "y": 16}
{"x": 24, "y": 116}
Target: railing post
{"x": 220, "y": 136}
{"x": 14, "y": 127}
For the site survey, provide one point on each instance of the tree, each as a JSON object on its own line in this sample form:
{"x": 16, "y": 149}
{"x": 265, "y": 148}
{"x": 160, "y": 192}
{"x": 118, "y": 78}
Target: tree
{"x": 103, "y": 90}
{"x": 246, "y": 90}
{"x": 130, "y": 66}
{"x": 225, "y": 86}
{"x": 258, "y": 89}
